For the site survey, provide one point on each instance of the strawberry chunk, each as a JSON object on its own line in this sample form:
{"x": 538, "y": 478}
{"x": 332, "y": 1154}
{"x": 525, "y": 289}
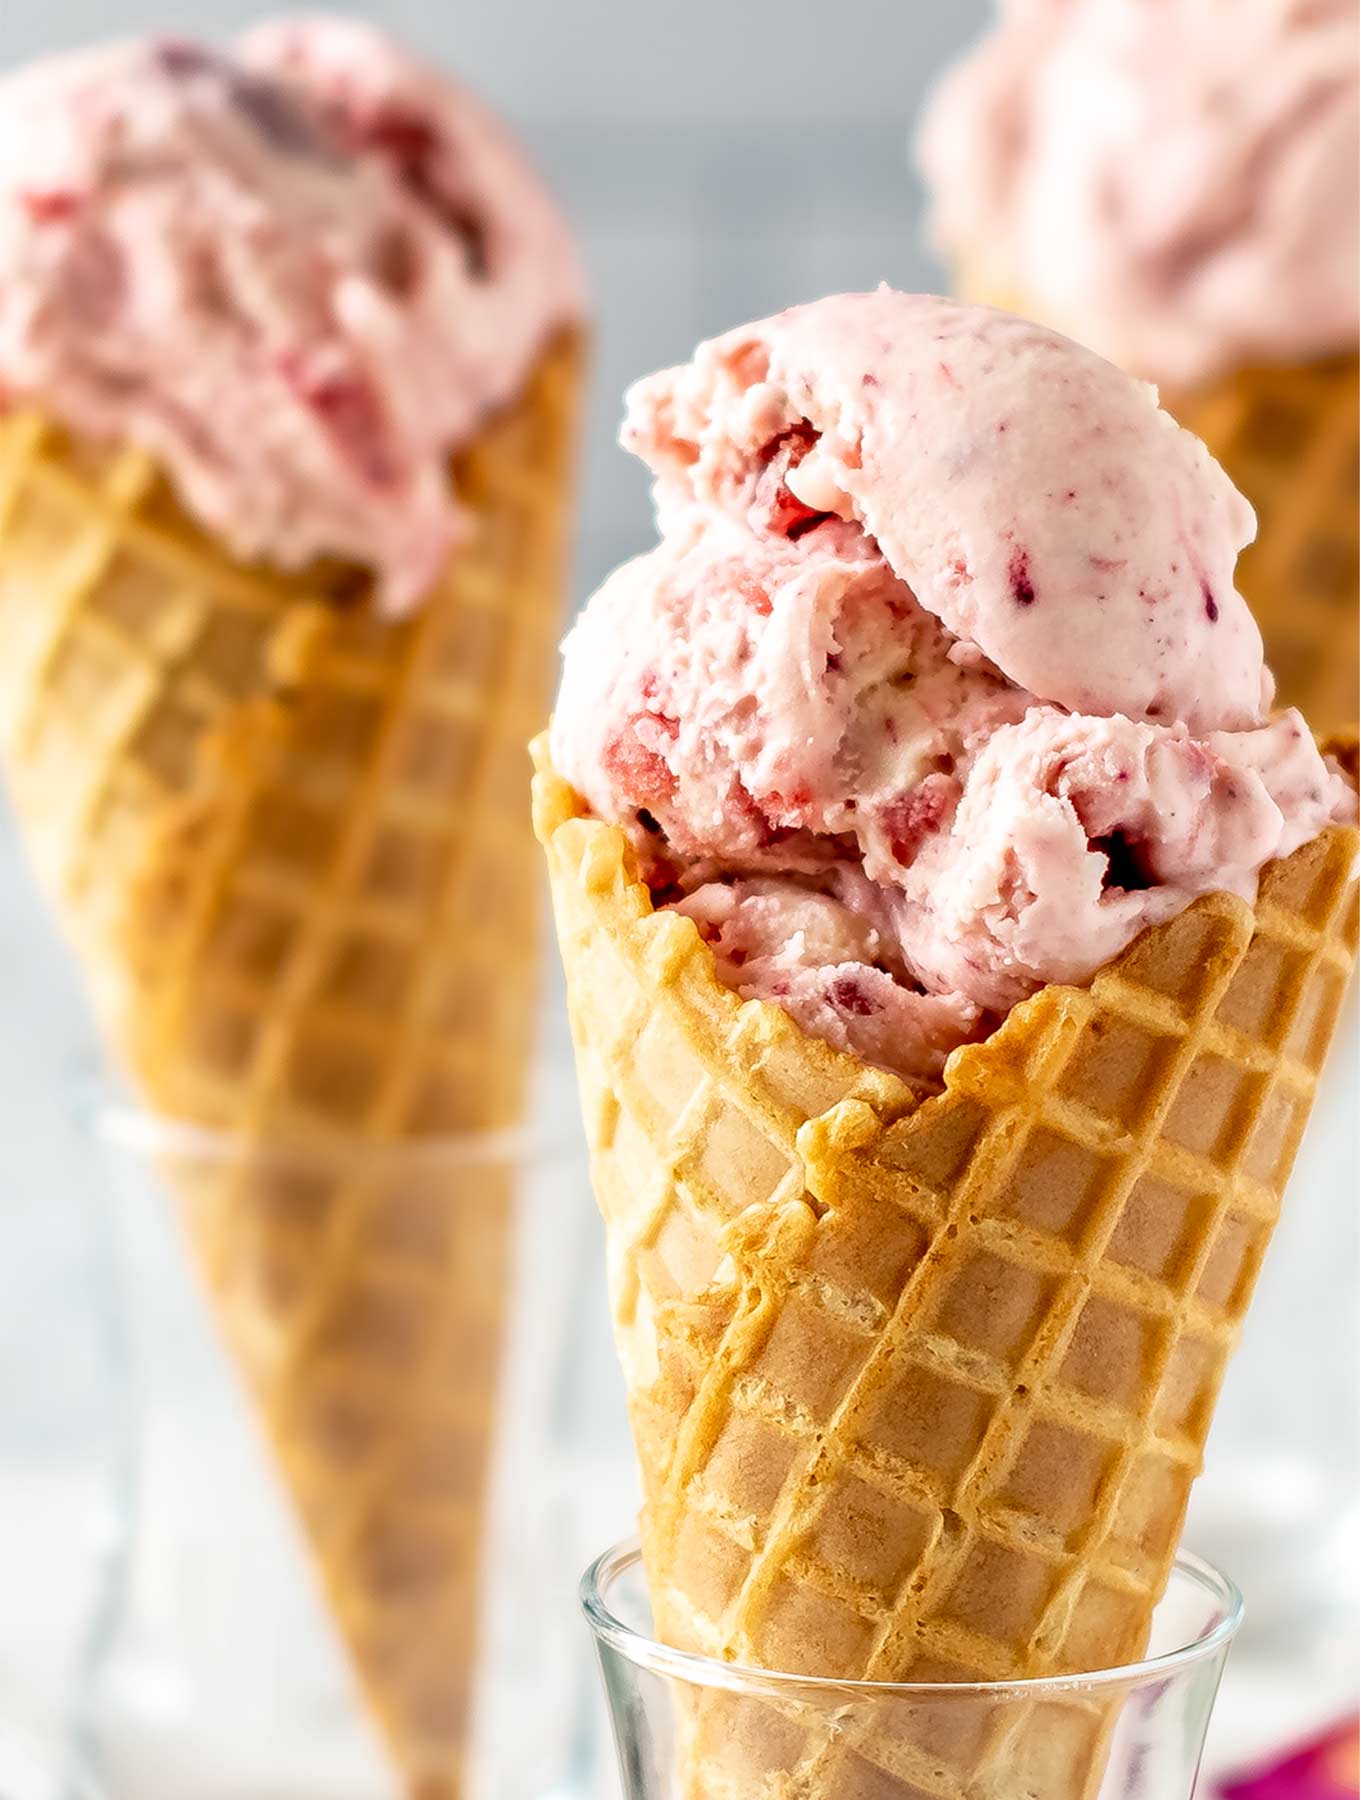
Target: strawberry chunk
{"x": 847, "y": 992}
{"x": 50, "y": 206}
{"x": 351, "y": 412}
{"x": 907, "y": 822}
{"x": 636, "y": 769}
{"x": 774, "y": 507}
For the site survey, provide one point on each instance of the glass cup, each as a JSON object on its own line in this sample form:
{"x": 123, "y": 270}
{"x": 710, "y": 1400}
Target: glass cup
{"x": 354, "y": 1350}
{"x": 36, "y": 1767}
{"x": 63, "y": 1433}
{"x": 688, "y": 1728}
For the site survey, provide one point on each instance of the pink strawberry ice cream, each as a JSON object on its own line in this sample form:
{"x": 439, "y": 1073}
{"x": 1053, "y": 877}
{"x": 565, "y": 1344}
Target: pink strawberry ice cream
{"x": 937, "y": 687}
{"x": 1177, "y": 184}
{"x": 300, "y": 277}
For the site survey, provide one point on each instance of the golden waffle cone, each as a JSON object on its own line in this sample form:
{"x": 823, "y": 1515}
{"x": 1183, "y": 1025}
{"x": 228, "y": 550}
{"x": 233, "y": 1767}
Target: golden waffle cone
{"x": 1290, "y": 439}
{"x": 919, "y": 1386}
{"x": 290, "y": 844}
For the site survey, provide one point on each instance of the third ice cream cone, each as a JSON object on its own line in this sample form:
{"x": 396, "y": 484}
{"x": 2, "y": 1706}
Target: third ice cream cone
{"x": 1176, "y": 186}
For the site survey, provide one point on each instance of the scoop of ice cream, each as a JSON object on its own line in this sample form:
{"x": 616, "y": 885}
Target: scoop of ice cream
{"x": 1071, "y": 834}
{"x": 831, "y": 970}
{"x": 1176, "y": 184}
{"x": 759, "y": 698}
{"x": 299, "y": 295}
{"x": 1037, "y": 501}
{"x": 887, "y": 811}
{"x": 464, "y": 169}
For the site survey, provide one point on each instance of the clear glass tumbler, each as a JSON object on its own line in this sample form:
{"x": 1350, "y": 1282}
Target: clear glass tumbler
{"x": 342, "y": 1369}
{"x": 687, "y": 1728}
{"x": 34, "y": 1766}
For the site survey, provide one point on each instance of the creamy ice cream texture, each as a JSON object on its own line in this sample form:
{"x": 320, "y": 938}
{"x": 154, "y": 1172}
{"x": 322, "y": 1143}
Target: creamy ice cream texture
{"x": 1176, "y": 183}
{"x": 937, "y": 687}
{"x": 300, "y": 275}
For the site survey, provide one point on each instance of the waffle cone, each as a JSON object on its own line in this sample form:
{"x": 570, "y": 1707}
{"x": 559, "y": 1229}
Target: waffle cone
{"x": 919, "y": 1385}
{"x": 1290, "y": 439}
{"x": 290, "y": 845}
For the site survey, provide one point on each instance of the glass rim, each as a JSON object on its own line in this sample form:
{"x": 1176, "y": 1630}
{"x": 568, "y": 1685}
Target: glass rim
{"x": 120, "y": 1121}
{"x": 127, "y": 1126}
{"x": 706, "y": 1671}
{"x": 107, "y": 1109}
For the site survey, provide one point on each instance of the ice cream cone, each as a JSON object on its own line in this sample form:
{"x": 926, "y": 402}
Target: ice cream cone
{"x": 1290, "y": 439}
{"x": 289, "y": 843}
{"x": 919, "y": 1385}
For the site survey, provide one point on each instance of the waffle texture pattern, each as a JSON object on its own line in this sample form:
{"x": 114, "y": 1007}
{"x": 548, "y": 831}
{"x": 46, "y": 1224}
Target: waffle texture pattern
{"x": 290, "y": 844}
{"x": 919, "y": 1384}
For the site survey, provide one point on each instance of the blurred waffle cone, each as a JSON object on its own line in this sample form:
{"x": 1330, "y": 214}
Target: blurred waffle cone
{"x": 1290, "y": 439}
{"x": 919, "y": 1385}
{"x": 290, "y": 844}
